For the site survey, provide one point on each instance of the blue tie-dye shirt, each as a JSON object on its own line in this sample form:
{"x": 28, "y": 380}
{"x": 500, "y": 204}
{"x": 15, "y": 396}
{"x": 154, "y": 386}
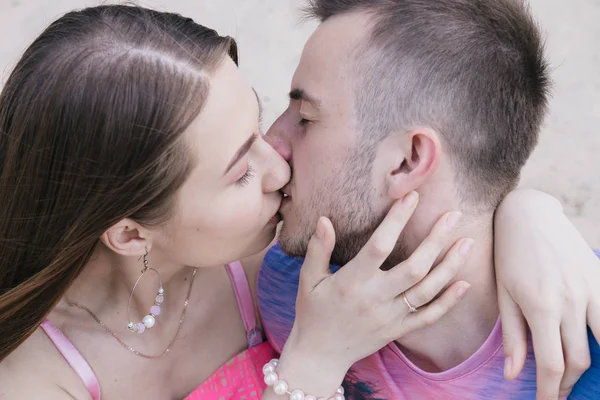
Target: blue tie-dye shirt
{"x": 388, "y": 374}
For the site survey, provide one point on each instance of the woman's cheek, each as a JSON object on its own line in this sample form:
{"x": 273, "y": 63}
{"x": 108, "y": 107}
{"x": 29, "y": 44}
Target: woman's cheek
{"x": 236, "y": 212}
{"x": 248, "y": 211}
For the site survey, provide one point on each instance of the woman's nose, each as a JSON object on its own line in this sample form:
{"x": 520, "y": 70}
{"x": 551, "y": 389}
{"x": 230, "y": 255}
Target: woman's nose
{"x": 277, "y": 171}
{"x": 278, "y": 138}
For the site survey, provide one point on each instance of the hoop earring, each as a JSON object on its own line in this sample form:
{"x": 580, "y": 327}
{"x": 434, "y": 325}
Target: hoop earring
{"x": 150, "y": 319}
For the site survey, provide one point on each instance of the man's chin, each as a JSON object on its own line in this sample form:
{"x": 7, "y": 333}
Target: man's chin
{"x": 295, "y": 244}
{"x": 294, "y": 238}
{"x": 298, "y": 248}
{"x": 291, "y": 245}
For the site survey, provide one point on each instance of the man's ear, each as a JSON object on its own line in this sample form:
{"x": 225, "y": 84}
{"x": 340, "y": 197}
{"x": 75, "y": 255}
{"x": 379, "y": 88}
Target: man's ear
{"x": 418, "y": 157}
{"x": 127, "y": 238}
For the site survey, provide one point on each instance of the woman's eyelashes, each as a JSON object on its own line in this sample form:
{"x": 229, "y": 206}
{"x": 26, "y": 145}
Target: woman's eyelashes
{"x": 245, "y": 179}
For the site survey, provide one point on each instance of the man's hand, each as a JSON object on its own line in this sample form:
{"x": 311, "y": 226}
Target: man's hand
{"x": 547, "y": 276}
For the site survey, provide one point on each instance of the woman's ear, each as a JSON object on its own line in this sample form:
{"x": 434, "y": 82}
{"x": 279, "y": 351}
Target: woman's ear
{"x": 127, "y": 238}
{"x": 419, "y": 155}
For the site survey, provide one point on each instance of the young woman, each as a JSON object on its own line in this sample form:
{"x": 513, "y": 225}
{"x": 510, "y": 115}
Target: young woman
{"x": 133, "y": 175}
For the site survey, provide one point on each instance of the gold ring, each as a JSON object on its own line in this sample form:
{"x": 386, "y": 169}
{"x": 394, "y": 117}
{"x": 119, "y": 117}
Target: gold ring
{"x": 411, "y": 308}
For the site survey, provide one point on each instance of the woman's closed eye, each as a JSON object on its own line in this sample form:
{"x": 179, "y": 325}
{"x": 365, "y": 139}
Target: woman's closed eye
{"x": 245, "y": 179}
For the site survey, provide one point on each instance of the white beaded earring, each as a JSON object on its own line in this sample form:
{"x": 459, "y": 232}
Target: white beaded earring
{"x": 150, "y": 319}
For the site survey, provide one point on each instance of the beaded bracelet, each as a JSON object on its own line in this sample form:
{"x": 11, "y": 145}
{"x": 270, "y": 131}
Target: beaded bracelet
{"x": 281, "y": 387}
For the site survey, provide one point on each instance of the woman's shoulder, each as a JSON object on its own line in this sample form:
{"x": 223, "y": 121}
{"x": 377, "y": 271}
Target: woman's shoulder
{"x": 37, "y": 367}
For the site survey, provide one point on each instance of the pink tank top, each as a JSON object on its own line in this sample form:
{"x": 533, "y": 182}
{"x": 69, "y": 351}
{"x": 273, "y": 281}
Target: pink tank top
{"x": 241, "y": 376}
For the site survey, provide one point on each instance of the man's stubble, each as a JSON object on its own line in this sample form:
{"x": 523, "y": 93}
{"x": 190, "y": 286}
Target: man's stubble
{"x": 346, "y": 197}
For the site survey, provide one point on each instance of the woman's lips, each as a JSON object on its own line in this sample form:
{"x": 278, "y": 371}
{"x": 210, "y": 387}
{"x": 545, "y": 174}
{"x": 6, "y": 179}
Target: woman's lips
{"x": 286, "y": 200}
{"x": 275, "y": 219}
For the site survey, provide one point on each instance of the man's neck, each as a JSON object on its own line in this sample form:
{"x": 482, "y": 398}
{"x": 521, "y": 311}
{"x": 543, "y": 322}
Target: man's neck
{"x": 460, "y": 333}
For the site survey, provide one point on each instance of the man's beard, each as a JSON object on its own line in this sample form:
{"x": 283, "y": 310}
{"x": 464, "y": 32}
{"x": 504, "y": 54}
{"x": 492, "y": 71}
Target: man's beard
{"x": 354, "y": 221}
{"x": 352, "y": 234}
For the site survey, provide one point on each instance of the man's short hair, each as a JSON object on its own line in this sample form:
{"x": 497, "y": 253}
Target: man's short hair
{"x": 473, "y": 70}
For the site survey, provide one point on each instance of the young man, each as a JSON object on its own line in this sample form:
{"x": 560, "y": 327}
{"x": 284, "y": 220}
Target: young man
{"x": 444, "y": 97}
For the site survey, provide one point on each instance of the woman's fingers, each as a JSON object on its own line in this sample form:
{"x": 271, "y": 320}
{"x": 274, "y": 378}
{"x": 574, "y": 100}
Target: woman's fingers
{"x": 432, "y": 312}
{"x": 576, "y": 350}
{"x": 514, "y": 334}
{"x": 316, "y": 263}
{"x": 430, "y": 287}
{"x": 549, "y": 359}
{"x": 593, "y": 317}
{"x": 417, "y": 266}
{"x": 384, "y": 239}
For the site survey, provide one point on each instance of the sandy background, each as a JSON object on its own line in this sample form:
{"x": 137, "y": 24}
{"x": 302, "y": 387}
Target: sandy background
{"x": 566, "y": 164}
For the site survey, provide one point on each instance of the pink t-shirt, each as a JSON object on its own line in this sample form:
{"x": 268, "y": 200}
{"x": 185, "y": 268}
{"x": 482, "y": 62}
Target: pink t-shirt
{"x": 388, "y": 374}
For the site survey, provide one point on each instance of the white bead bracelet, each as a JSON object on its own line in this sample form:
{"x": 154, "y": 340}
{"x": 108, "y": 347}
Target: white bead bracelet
{"x": 281, "y": 387}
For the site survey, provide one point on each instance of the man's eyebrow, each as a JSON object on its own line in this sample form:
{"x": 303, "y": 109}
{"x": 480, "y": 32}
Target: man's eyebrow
{"x": 300, "y": 94}
{"x": 260, "y": 107}
{"x": 242, "y": 152}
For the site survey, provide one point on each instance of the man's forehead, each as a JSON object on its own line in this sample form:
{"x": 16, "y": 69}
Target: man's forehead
{"x": 339, "y": 36}
{"x": 324, "y": 70}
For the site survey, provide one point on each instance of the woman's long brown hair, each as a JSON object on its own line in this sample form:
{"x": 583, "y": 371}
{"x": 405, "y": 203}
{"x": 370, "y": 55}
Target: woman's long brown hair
{"x": 90, "y": 133}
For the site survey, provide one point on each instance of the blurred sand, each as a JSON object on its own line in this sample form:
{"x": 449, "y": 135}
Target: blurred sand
{"x": 566, "y": 164}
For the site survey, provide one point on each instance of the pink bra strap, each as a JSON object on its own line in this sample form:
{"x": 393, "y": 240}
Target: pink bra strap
{"x": 244, "y": 300}
{"x": 74, "y": 358}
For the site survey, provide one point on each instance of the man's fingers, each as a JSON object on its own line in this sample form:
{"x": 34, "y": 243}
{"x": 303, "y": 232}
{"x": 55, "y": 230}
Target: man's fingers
{"x": 549, "y": 360}
{"x": 576, "y": 350}
{"x": 432, "y": 312}
{"x": 316, "y": 262}
{"x": 431, "y": 286}
{"x": 383, "y": 240}
{"x": 514, "y": 334}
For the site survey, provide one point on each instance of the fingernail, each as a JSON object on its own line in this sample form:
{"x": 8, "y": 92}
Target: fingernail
{"x": 465, "y": 247}
{"x": 320, "y": 231}
{"x": 507, "y": 366}
{"x": 410, "y": 199}
{"x": 452, "y": 219}
{"x": 462, "y": 289}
